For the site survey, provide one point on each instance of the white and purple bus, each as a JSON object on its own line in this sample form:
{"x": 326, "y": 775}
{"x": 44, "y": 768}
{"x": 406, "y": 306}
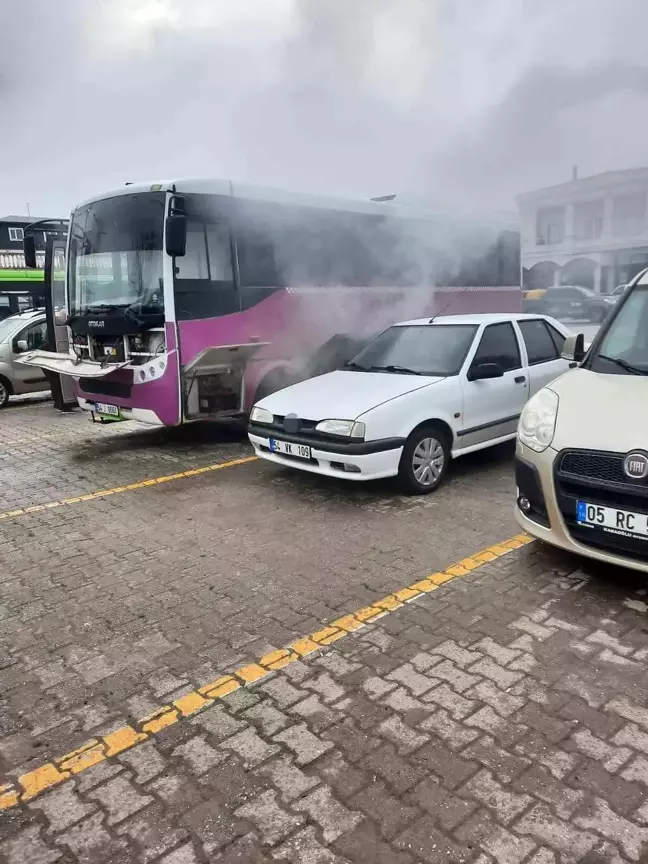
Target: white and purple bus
{"x": 190, "y": 300}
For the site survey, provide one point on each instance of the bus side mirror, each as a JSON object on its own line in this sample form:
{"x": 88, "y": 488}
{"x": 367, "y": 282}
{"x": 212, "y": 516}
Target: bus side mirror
{"x": 29, "y": 250}
{"x": 574, "y": 348}
{"x": 176, "y": 235}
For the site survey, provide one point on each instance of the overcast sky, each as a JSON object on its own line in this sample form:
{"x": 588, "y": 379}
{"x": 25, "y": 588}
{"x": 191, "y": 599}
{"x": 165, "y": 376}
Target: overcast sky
{"x": 470, "y": 101}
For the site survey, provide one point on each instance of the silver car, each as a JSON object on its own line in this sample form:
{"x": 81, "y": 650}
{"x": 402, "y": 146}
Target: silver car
{"x": 18, "y": 334}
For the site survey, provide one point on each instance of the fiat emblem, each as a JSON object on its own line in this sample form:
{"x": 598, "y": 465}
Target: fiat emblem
{"x": 635, "y": 466}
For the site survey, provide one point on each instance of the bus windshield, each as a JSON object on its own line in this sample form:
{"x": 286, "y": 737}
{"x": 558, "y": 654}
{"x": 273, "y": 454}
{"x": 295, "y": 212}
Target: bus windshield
{"x": 116, "y": 255}
{"x": 623, "y": 350}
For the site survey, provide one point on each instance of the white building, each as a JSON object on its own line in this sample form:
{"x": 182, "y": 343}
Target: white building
{"x": 591, "y": 232}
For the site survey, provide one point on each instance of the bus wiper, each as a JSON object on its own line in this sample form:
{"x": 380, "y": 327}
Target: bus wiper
{"x": 405, "y": 370}
{"x": 635, "y": 370}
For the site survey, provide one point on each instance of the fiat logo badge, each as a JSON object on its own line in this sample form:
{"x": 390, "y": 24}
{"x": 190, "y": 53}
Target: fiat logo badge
{"x": 635, "y": 466}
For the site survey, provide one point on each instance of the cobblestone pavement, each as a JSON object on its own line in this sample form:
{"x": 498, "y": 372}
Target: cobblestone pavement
{"x": 499, "y": 718}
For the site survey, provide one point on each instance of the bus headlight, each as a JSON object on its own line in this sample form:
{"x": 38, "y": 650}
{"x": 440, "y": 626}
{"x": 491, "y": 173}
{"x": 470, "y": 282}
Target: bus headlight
{"x": 538, "y": 420}
{"x": 348, "y": 428}
{"x": 260, "y": 415}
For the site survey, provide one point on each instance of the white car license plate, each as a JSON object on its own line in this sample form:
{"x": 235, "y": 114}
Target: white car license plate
{"x": 107, "y": 410}
{"x": 299, "y": 450}
{"x": 612, "y": 520}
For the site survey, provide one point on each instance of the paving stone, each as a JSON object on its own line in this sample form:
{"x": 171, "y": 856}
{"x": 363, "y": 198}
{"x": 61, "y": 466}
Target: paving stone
{"x": 414, "y": 681}
{"x": 306, "y": 746}
{"x": 266, "y": 717}
{"x": 623, "y": 793}
{"x": 447, "y": 810}
{"x": 637, "y": 770}
{"x": 199, "y": 755}
{"x": 556, "y": 833}
{"x": 176, "y": 792}
{"x": 28, "y": 846}
{"x": 385, "y": 809}
{"x": 452, "y": 651}
{"x": 498, "y": 843}
{"x": 305, "y": 848}
{"x": 428, "y": 844}
{"x": 326, "y": 687}
{"x": 631, "y": 736}
{"x": 332, "y": 817}
{"x": 501, "y": 762}
{"x": 281, "y": 691}
{"x": 215, "y": 827}
{"x": 504, "y": 703}
{"x": 63, "y": 806}
{"x": 287, "y": 777}
{"x": 501, "y": 676}
{"x": 539, "y": 782}
{"x": 120, "y": 798}
{"x": 405, "y": 739}
{"x": 500, "y": 653}
{"x": 629, "y": 710}
{"x": 451, "y": 769}
{"x": 271, "y": 820}
{"x": 376, "y": 687}
{"x": 454, "y": 676}
{"x": 489, "y": 791}
{"x": 445, "y": 697}
{"x": 218, "y": 723}
{"x": 456, "y": 735}
{"x": 610, "y": 757}
{"x": 144, "y": 760}
{"x": 90, "y": 842}
{"x": 600, "y": 817}
{"x": 250, "y": 747}
{"x": 185, "y": 854}
{"x": 152, "y": 834}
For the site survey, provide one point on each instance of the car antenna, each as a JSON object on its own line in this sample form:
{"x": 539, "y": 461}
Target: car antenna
{"x": 437, "y": 314}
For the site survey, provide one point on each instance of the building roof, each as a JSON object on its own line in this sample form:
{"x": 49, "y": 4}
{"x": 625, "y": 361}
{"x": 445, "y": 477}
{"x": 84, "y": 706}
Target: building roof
{"x": 23, "y": 220}
{"x": 627, "y": 176}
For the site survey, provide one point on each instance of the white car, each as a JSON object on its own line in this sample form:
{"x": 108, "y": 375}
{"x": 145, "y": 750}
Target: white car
{"x": 418, "y": 395}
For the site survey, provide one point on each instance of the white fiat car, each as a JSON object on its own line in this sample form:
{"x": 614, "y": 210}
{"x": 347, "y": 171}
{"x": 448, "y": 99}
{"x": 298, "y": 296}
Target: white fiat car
{"x": 418, "y": 395}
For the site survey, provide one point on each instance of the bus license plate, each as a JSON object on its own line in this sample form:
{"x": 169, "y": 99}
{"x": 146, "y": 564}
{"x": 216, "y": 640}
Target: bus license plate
{"x": 612, "y": 520}
{"x": 299, "y": 450}
{"x": 107, "y": 410}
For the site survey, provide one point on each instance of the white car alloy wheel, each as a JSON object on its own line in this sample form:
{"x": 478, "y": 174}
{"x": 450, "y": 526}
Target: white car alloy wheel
{"x": 424, "y": 461}
{"x": 428, "y": 460}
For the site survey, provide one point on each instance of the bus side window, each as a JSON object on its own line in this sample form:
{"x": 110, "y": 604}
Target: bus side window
{"x": 219, "y": 249}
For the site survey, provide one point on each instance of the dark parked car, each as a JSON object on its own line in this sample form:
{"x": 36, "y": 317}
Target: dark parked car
{"x": 575, "y": 302}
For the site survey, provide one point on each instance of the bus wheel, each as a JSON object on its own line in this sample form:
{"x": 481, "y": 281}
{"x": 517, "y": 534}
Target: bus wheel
{"x": 272, "y": 382}
{"x": 5, "y": 391}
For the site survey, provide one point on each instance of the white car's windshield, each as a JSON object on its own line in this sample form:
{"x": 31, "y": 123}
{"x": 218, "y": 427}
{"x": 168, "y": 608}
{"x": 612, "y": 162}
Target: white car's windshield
{"x": 624, "y": 348}
{"x": 419, "y": 349}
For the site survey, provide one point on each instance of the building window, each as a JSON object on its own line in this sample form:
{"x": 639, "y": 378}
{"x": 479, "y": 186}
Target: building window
{"x": 16, "y": 235}
{"x": 550, "y": 226}
{"x": 588, "y": 219}
{"x": 629, "y": 213}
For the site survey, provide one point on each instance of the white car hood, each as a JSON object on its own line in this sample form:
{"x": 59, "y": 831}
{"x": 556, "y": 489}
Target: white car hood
{"x": 601, "y": 412}
{"x": 343, "y": 395}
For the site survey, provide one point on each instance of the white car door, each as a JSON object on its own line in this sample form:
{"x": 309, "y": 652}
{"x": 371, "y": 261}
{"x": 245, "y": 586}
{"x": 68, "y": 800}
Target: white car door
{"x": 543, "y": 343}
{"x": 27, "y": 379}
{"x": 493, "y": 406}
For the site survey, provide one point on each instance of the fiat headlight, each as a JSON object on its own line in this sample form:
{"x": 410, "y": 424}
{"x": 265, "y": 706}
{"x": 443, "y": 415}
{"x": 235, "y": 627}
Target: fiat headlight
{"x": 538, "y": 420}
{"x": 260, "y": 415}
{"x": 348, "y": 428}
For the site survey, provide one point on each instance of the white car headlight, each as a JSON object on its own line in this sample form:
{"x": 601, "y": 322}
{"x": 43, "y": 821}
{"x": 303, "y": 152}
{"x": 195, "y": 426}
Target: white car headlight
{"x": 538, "y": 420}
{"x": 260, "y": 415}
{"x": 350, "y": 428}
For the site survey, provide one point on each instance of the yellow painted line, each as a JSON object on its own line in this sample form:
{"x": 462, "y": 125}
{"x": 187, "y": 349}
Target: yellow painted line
{"x": 141, "y": 484}
{"x": 99, "y": 749}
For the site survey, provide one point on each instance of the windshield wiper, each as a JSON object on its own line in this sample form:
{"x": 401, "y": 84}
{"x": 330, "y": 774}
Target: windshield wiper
{"x": 405, "y": 370}
{"x": 356, "y": 367}
{"x": 634, "y": 370}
